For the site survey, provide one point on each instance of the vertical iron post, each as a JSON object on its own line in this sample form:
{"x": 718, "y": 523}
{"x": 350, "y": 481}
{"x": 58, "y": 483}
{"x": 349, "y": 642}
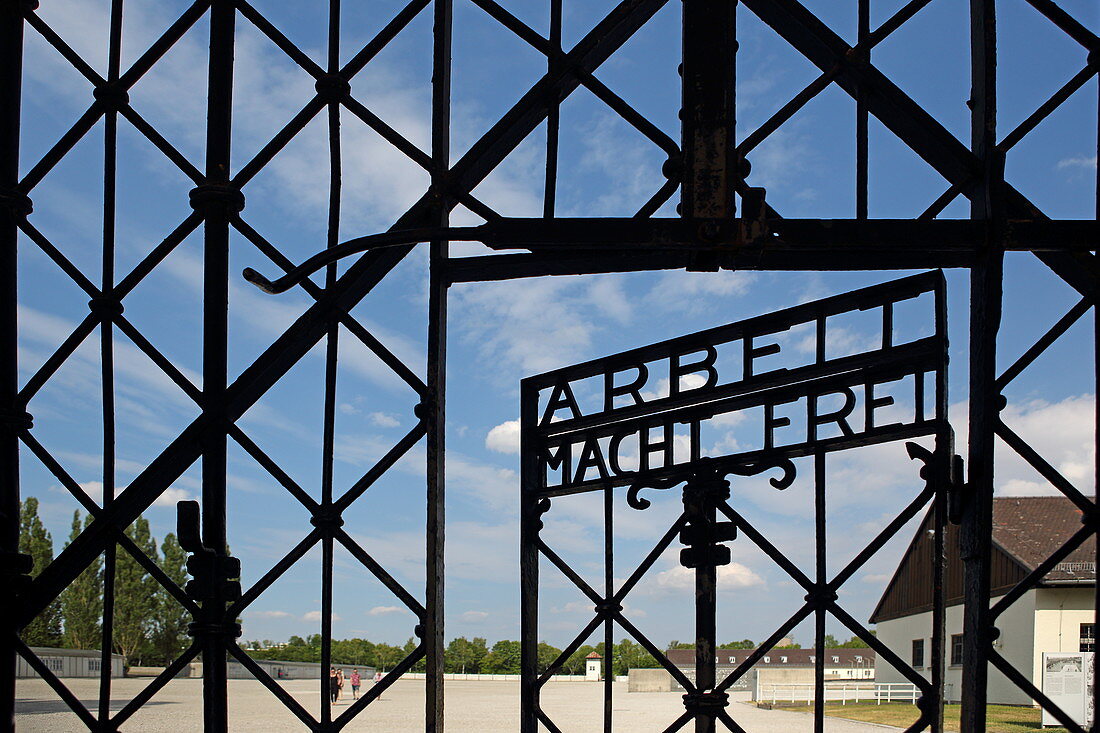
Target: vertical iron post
{"x": 530, "y": 524}
{"x": 435, "y": 399}
{"x": 707, "y": 114}
{"x": 704, "y": 554}
{"x": 821, "y": 578}
{"x": 216, "y": 200}
{"x": 11, "y": 411}
{"x": 107, "y": 306}
{"x": 944, "y": 477}
{"x": 862, "y": 116}
{"x": 985, "y": 399}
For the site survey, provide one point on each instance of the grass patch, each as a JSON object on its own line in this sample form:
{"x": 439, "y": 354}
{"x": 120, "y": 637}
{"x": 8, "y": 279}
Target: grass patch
{"x": 1000, "y": 718}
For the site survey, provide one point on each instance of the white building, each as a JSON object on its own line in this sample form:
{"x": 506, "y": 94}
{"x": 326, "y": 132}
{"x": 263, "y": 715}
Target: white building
{"x": 1056, "y": 616}
{"x": 793, "y": 666}
{"x": 68, "y": 663}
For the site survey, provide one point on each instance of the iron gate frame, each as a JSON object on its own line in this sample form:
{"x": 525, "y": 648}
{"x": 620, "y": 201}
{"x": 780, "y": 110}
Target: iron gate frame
{"x": 709, "y": 236}
{"x": 547, "y": 442}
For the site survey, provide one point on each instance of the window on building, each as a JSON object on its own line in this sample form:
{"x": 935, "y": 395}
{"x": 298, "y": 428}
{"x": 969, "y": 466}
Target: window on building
{"x": 1088, "y": 637}
{"x": 836, "y": 660}
{"x": 55, "y": 664}
{"x": 94, "y": 665}
{"x": 812, "y": 659}
{"x": 918, "y": 652}
{"x": 783, "y": 660}
{"x": 859, "y": 659}
{"x": 767, "y": 660}
{"x": 956, "y": 649}
{"x": 733, "y": 660}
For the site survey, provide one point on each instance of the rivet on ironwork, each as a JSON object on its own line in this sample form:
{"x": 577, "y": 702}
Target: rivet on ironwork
{"x": 1094, "y": 59}
{"x": 1091, "y": 518}
{"x": 821, "y": 596}
{"x": 994, "y": 633}
{"x": 673, "y": 168}
{"x": 328, "y": 522}
{"x": 608, "y": 608}
{"x": 17, "y": 202}
{"x": 16, "y": 419}
{"x": 1002, "y": 402}
{"x": 708, "y": 703}
{"x": 216, "y": 198}
{"x": 418, "y": 631}
{"x": 422, "y": 410}
{"x": 112, "y": 95}
{"x": 332, "y": 87}
{"x": 29, "y": 6}
{"x": 105, "y": 307}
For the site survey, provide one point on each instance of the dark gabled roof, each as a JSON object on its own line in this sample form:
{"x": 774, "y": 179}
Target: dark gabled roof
{"x": 1026, "y": 531}
{"x": 685, "y": 658}
{"x": 1032, "y": 528}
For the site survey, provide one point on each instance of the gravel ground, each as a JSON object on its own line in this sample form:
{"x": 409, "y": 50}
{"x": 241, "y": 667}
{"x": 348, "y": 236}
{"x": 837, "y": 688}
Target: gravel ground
{"x": 471, "y": 706}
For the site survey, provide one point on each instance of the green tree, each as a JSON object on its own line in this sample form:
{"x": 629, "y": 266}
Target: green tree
{"x": 82, "y": 601}
{"x": 169, "y": 633}
{"x": 677, "y": 644}
{"x": 575, "y": 664}
{"x": 136, "y": 598}
{"x": 546, "y": 655}
{"x": 34, "y": 540}
{"x": 386, "y": 656}
{"x": 630, "y": 655}
{"x": 743, "y": 644}
{"x": 409, "y": 648}
{"x": 503, "y": 658}
{"x": 792, "y": 645}
{"x": 855, "y": 643}
{"x": 464, "y": 655}
{"x": 831, "y": 642}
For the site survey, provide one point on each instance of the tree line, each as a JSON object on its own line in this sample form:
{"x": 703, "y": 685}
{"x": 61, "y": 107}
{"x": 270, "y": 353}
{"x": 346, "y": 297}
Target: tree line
{"x": 462, "y": 655}
{"x": 149, "y": 626}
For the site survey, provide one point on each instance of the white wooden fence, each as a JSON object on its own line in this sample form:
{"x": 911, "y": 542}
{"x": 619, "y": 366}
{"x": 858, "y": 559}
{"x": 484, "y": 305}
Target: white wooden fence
{"x": 842, "y": 692}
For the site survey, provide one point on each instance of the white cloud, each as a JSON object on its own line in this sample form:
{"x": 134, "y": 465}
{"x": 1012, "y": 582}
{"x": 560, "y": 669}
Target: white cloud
{"x": 474, "y": 616}
{"x": 734, "y": 575}
{"x": 349, "y": 409}
{"x": 171, "y": 495}
{"x": 504, "y": 438}
{"x": 316, "y": 616}
{"x": 384, "y": 420}
{"x": 385, "y": 610}
{"x": 1082, "y": 161}
{"x": 269, "y": 614}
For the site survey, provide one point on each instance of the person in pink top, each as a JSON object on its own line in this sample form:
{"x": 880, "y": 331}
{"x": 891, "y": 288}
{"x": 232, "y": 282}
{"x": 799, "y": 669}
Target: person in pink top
{"x": 356, "y": 680}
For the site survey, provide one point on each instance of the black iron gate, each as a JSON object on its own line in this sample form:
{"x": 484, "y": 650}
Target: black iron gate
{"x": 622, "y": 433}
{"x": 707, "y": 167}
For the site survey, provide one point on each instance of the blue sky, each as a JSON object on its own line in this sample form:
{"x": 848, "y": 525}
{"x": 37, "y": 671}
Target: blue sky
{"x": 501, "y": 332}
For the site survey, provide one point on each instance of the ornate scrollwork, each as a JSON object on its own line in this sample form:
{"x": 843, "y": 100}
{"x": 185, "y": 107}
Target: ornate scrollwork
{"x": 758, "y": 467}
{"x": 660, "y": 484}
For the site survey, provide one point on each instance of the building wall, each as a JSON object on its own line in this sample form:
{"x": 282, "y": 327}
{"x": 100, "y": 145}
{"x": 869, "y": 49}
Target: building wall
{"x": 1059, "y": 613}
{"x": 68, "y": 663}
{"x": 1017, "y": 644}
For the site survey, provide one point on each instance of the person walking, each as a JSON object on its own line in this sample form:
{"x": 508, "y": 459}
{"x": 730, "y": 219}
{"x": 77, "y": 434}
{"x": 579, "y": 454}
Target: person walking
{"x": 339, "y": 683}
{"x": 356, "y": 680}
{"x": 333, "y": 686}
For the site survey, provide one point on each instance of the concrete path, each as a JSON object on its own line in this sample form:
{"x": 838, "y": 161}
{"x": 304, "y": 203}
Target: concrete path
{"x": 481, "y": 707}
